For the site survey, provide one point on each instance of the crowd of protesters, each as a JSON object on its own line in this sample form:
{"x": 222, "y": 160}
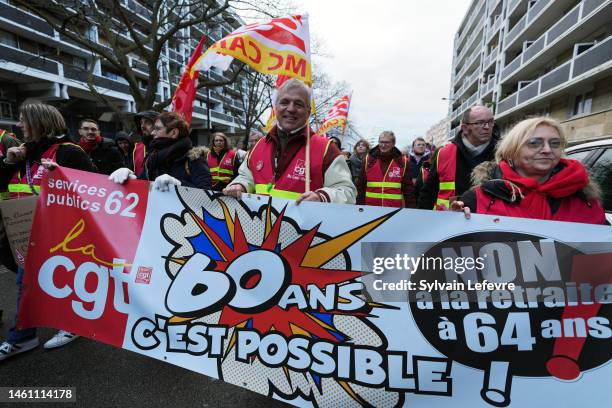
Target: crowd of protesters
{"x": 523, "y": 174}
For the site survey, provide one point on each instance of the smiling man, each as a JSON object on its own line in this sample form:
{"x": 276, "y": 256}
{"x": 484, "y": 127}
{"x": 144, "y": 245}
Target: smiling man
{"x": 276, "y": 166}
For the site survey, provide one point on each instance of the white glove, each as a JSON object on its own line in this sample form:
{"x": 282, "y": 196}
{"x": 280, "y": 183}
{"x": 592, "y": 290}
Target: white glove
{"x": 164, "y": 182}
{"x": 121, "y": 175}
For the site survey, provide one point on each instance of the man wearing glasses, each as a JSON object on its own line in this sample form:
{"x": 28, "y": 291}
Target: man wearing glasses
{"x": 104, "y": 154}
{"x": 452, "y": 165}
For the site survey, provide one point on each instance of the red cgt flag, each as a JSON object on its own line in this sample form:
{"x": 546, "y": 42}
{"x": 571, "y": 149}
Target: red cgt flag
{"x": 182, "y": 101}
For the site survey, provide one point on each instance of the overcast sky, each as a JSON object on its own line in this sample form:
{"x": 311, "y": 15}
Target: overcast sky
{"x": 395, "y": 54}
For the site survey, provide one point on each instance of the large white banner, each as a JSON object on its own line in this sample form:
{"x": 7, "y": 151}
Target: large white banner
{"x": 332, "y": 305}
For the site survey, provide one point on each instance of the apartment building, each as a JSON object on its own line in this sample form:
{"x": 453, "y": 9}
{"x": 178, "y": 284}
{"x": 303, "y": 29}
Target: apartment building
{"x": 37, "y": 62}
{"x": 536, "y": 57}
{"x": 438, "y": 133}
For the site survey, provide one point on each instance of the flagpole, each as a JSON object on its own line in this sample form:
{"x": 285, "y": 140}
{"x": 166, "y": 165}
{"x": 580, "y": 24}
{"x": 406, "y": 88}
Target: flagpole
{"x": 307, "y": 155}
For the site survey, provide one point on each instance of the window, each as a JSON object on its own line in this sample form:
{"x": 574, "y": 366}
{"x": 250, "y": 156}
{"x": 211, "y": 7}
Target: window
{"x": 109, "y": 74}
{"x": 79, "y": 62}
{"x": 7, "y": 38}
{"x": 6, "y": 110}
{"x": 580, "y": 155}
{"x": 602, "y": 173}
{"x": 583, "y": 103}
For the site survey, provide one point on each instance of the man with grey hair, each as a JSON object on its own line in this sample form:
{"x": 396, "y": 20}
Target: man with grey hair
{"x": 385, "y": 180}
{"x": 277, "y": 164}
{"x": 254, "y": 137}
{"x": 452, "y": 165}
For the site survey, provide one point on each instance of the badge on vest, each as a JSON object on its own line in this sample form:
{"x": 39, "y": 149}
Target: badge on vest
{"x": 299, "y": 171}
{"x": 39, "y": 172}
{"x": 395, "y": 173}
{"x": 259, "y": 165}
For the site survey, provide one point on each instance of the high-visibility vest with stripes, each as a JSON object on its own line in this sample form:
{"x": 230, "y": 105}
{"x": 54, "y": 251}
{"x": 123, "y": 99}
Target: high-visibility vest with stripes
{"x": 221, "y": 171}
{"x": 138, "y": 158}
{"x": 447, "y": 170}
{"x": 384, "y": 186}
{"x": 19, "y": 186}
{"x": 292, "y": 183}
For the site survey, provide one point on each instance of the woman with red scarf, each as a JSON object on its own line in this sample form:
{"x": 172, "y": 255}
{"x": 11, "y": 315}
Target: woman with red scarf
{"x": 530, "y": 179}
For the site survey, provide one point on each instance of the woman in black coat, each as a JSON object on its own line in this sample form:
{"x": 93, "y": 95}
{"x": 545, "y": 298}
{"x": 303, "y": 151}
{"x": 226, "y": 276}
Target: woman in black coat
{"x": 169, "y": 161}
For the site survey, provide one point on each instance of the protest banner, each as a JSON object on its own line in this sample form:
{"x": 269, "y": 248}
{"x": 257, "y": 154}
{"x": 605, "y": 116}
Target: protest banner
{"x": 17, "y": 215}
{"x": 267, "y": 295}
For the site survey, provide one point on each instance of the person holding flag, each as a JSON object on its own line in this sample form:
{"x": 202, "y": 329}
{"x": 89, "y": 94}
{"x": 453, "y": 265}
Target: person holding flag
{"x": 290, "y": 162}
{"x": 277, "y": 164}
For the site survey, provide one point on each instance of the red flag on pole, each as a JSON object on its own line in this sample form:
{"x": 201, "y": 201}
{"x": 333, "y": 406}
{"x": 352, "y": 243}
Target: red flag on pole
{"x": 182, "y": 101}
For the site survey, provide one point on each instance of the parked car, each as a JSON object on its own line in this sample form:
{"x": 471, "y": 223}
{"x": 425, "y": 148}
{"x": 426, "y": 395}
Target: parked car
{"x": 597, "y": 158}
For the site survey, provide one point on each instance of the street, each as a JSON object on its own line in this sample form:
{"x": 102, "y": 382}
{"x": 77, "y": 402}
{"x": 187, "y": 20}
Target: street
{"x": 105, "y": 376}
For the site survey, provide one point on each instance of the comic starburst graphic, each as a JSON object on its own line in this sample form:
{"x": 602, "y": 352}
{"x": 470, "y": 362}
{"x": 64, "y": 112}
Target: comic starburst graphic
{"x": 223, "y": 240}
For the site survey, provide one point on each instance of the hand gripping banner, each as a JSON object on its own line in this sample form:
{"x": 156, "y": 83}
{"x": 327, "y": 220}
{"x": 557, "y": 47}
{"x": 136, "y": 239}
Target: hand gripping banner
{"x": 327, "y": 305}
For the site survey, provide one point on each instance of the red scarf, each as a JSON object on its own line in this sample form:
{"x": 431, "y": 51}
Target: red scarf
{"x": 89, "y": 145}
{"x": 570, "y": 179}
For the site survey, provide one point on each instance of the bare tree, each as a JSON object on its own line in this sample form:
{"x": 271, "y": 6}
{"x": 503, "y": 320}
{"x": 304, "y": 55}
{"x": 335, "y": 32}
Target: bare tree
{"x": 255, "y": 100}
{"x": 132, "y": 39}
{"x": 326, "y": 92}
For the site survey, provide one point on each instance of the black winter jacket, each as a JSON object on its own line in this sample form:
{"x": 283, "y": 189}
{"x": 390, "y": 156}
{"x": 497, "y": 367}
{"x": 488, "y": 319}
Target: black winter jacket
{"x": 172, "y": 157}
{"x": 465, "y": 164}
{"x": 106, "y": 157}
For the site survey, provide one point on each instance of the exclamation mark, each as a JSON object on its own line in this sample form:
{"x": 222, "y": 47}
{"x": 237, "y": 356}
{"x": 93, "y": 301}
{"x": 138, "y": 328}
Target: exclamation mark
{"x": 593, "y": 269}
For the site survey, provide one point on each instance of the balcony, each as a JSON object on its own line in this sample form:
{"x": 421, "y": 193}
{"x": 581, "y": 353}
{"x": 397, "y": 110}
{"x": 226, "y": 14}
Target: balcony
{"x": 512, "y": 7}
{"x": 494, "y": 28}
{"x": 221, "y": 116}
{"x": 489, "y": 59}
{"x": 468, "y": 46}
{"x": 28, "y": 60}
{"x": 21, "y": 18}
{"x": 595, "y": 60}
{"x": 467, "y": 104}
{"x": 99, "y": 81}
{"x": 176, "y": 56}
{"x": 570, "y": 28}
{"x": 487, "y": 88}
{"x": 543, "y": 13}
{"x": 139, "y": 10}
{"x": 469, "y": 63}
{"x": 468, "y": 25}
{"x": 514, "y": 32}
{"x": 140, "y": 67}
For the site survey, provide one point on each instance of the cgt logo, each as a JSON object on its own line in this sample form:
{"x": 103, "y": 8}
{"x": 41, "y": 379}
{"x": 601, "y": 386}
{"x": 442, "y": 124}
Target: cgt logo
{"x": 91, "y": 301}
{"x": 299, "y": 171}
{"x": 395, "y": 173}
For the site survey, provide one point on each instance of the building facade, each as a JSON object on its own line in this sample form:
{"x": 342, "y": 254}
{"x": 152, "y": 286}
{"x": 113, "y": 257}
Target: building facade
{"x": 437, "y": 135}
{"x": 39, "y": 63}
{"x": 528, "y": 58}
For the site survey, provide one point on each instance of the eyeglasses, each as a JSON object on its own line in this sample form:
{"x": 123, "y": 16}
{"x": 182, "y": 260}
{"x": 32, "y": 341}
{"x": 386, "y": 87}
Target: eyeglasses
{"x": 481, "y": 124}
{"x": 536, "y": 143}
{"x": 92, "y": 129}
